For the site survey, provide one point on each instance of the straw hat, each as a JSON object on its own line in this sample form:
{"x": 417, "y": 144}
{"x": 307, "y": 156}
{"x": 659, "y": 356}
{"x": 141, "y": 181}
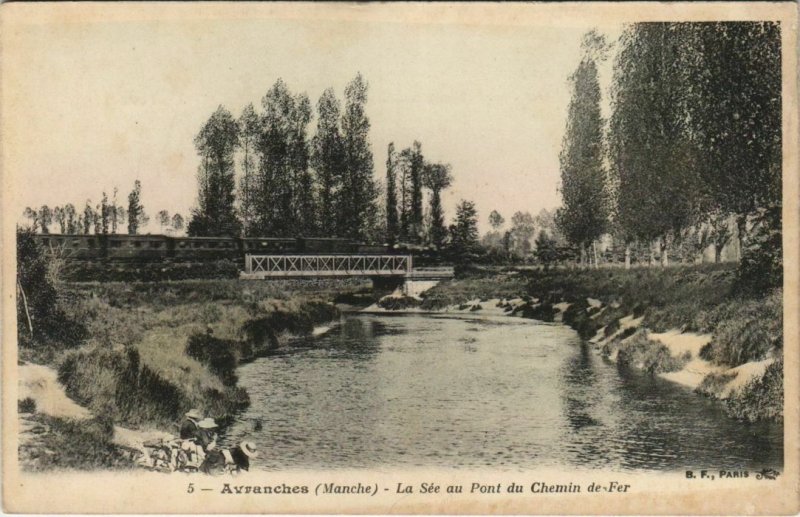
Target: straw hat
{"x": 249, "y": 448}
{"x": 207, "y": 423}
{"x": 194, "y": 413}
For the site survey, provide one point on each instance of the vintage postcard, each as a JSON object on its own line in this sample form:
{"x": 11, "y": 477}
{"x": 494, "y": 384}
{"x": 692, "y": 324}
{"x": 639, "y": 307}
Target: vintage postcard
{"x": 415, "y": 258}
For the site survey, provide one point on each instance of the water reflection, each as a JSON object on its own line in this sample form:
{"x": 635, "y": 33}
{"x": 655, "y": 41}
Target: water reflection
{"x": 402, "y": 391}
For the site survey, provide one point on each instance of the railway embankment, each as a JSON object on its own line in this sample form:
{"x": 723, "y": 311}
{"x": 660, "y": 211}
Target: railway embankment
{"x": 685, "y": 324}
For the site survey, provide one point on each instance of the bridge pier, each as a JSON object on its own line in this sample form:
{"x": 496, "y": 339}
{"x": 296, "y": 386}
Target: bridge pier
{"x": 417, "y": 287}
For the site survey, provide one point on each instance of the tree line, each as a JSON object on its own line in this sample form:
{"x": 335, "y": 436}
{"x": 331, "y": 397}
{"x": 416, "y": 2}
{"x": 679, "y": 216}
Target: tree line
{"x": 289, "y": 184}
{"x": 691, "y": 155}
{"x": 262, "y": 175}
{"x": 109, "y": 216}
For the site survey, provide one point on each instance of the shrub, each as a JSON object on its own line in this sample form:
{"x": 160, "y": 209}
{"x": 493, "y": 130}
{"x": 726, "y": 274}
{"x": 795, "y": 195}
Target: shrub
{"x": 714, "y": 383}
{"x": 651, "y": 356}
{"x": 26, "y": 405}
{"x": 220, "y": 355}
{"x": 37, "y": 300}
{"x": 761, "y": 398}
{"x": 751, "y": 329}
{"x": 541, "y": 312}
{"x": 114, "y": 383}
{"x": 398, "y": 303}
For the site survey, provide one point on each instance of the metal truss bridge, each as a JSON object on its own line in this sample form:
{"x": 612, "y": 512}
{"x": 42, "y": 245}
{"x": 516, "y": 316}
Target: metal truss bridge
{"x": 258, "y": 267}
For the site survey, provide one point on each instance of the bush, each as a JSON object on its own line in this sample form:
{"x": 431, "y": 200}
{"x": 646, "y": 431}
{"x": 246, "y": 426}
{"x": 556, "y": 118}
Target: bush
{"x": 576, "y": 317}
{"x": 220, "y": 355}
{"x": 37, "y": 299}
{"x": 26, "y": 405}
{"x": 761, "y": 398}
{"x": 399, "y": 303}
{"x": 541, "y": 312}
{"x": 714, "y": 383}
{"x": 651, "y": 356}
{"x": 112, "y": 382}
{"x": 749, "y": 331}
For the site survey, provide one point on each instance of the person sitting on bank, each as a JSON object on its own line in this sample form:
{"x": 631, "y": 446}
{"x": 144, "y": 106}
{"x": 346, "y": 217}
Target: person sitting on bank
{"x": 238, "y": 458}
{"x": 189, "y": 427}
{"x": 207, "y": 434}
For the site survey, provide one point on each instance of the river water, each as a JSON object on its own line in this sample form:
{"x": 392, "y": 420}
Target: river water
{"x": 457, "y": 392}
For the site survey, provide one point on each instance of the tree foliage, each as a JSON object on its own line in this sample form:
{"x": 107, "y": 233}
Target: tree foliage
{"x": 216, "y": 144}
{"x": 392, "y": 220}
{"x": 464, "y": 230}
{"x": 584, "y": 214}
{"x": 136, "y": 214}
{"x": 358, "y": 190}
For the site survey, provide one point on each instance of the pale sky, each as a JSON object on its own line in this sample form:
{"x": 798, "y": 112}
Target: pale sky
{"x": 98, "y": 105}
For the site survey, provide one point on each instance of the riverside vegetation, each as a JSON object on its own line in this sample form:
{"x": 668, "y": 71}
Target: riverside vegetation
{"x": 745, "y": 326}
{"x": 140, "y": 354}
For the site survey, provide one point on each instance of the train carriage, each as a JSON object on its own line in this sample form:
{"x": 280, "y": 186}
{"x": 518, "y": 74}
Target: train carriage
{"x": 137, "y": 247}
{"x": 204, "y": 248}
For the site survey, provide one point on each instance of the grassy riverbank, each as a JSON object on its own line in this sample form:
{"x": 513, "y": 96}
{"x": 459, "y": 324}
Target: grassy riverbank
{"x": 156, "y": 350}
{"x": 633, "y": 316}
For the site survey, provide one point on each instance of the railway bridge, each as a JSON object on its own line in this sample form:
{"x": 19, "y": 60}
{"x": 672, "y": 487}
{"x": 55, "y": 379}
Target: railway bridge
{"x": 386, "y": 271}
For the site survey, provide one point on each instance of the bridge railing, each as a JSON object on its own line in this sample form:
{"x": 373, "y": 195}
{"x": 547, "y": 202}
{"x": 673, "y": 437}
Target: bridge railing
{"x": 327, "y": 265}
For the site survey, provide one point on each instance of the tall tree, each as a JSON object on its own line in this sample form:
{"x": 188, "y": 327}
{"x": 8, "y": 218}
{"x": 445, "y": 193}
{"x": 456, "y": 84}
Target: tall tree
{"x": 285, "y": 203}
{"x": 358, "y": 193}
{"x": 464, "y": 230}
{"x": 216, "y": 144}
{"x": 136, "y": 214}
{"x": 249, "y": 130}
{"x": 392, "y": 222}
{"x": 735, "y": 114}
{"x": 69, "y": 214}
{"x": 61, "y": 218}
{"x": 437, "y": 177}
{"x": 45, "y": 218}
{"x": 104, "y": 211}
{"x": 327, "y": 158}
{"x": 651, "y": 153}
{"x": 412, "y": 165}
{"x": 584, "y": 215}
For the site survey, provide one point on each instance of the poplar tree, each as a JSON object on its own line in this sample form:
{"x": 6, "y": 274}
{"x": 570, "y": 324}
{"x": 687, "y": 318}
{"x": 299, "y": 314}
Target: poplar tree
{"x": 69, "y": 214}
{"x": 216, "y": 144}
{"x": 392, "y": 222}
{"x": 437, "y": 177}
{"x": 412, "y": 164}
{"x": 249, "y": 129}
{"x": 358, "y": 193}
{"x": 651, "y": 154}
{"x": 735, "y": 115}
{"x": 45, "y": 218}
{"x": 136, "y": 215}
{"x": 285, "y": 204}
{"x": 327, "y": 158}
{"x": 584, "y": 214}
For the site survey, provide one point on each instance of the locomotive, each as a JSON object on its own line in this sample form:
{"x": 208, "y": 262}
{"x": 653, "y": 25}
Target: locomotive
{"x": 165, "y": 247}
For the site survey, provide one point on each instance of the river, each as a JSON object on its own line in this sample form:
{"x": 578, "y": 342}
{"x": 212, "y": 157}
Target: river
{"x": 410, "y": 390}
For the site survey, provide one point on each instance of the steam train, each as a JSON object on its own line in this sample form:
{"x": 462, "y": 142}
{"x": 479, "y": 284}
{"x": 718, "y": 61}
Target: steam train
{"x": 164, "y": 247}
